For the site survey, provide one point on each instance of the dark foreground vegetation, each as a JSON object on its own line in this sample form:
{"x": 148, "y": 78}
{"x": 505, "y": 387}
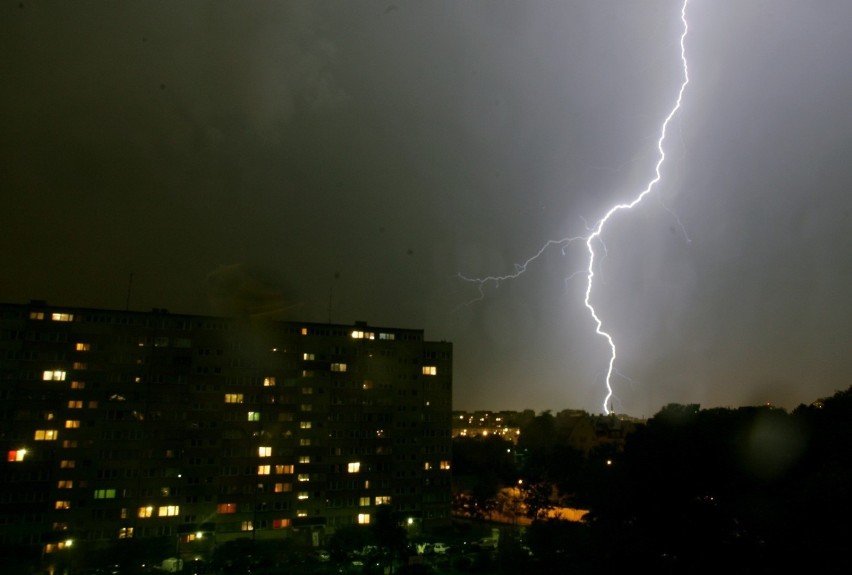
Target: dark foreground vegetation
{"x": 748, "y": 490}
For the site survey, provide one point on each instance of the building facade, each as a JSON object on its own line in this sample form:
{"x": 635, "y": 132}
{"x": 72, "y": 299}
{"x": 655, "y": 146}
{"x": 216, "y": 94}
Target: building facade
{"x": 122, "y": 424}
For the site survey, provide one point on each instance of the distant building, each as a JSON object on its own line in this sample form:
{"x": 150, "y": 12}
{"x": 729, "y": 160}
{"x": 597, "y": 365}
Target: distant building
{"x": 575, "y": 427}
{"x": 122, "y": 424}
{"x": 485, "y": 423}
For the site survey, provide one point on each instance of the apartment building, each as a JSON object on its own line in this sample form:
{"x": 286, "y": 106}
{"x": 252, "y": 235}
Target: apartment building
{"x": 125, "y": 424}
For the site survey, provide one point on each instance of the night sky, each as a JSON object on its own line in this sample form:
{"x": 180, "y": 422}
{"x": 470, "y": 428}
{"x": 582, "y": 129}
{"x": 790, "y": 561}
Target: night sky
{"x": 345, "y": 161}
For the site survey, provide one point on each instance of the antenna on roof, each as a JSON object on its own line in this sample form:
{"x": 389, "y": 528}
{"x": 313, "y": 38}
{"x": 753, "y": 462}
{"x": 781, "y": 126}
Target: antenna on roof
{"x": 129, "y": 288}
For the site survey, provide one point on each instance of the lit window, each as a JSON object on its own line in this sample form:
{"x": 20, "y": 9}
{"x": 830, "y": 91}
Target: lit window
{"x": 445, "y": 464}
{"x": 65, "y": 484}
{"x": 427, "y": 465}
{"x": 72, "y": 423}
{"x": 75, "y": 404}
{"x": 253, "y": 416}
{"x": 280, "y": 523}
{"x": 305, "y": 441}
{"x": 363, "y": 519}
{"x": 358, "y": 334}
{"x": 54, "y": 547}
{"x": 283, "y": 487}
{"x": 268, "y": 382}
{"x": 63, "y": 505}
{"x": 383, "y": 500}
{"x": 82, "y": 346}
{"x": 302, "y": 495}
{"x": 283, "y": 469}
{"x": 226, "y": 508}
{"x": 246, "y": 526}
{"x": 304, "y": 331}
{"x": 301, "y": 513}
{"x": 62, "y": 316}
{"x": 16, "y": 454}
{"x": 364, "y": 501}
{"x": 304, "y": 425}
{"x": 264, "y": 451}
{"x": 67, "y": 464}
{"x": 36, "y": 315}
{"x": 145, "y": 512}
{"x": 264, "y": 469}
{"x": 430, "y": 370}
{"x": 303, "y": 477}
{"x": 46, "y": 434}
{"x": 168, "y": 510}
{"x": 338, "y": 367}
{"x": 387, "y": 336}
{"x": 304, "y": 459}
{"x": 54, "y": 375}
{"x": 104, "y": 493}
{"x": 308, "y": 356}
{"x": 125, "y": 533}
{"x": 233, "y": 398}
{"x": 353, "y": 467}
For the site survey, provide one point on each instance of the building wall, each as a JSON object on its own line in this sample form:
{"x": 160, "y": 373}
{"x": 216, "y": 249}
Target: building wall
{"x": 122, "y": 424}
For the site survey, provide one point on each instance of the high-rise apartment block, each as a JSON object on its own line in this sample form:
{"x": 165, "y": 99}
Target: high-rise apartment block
{"x": 123, "y": 424}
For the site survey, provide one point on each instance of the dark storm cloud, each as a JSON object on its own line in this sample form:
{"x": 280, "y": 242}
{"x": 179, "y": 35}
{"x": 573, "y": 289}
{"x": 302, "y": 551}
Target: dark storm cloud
{"x": 355, "y": 157}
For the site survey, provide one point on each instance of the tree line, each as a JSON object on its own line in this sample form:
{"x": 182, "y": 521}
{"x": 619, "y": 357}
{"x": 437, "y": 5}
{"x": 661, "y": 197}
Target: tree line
{"x": 691, "y": 490}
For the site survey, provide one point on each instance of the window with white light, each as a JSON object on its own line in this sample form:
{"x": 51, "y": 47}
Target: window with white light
{"x": 363, "y": 519}
{"x": 264, "y": 451}
{"x": 353, "y": 467}
{"x": 53, "y": 375}
{"x": 16, "y": 455}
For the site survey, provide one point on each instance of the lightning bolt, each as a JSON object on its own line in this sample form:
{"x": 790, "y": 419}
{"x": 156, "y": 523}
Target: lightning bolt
{"x": 594, "y": 237}
{"x": 598, "y": 229}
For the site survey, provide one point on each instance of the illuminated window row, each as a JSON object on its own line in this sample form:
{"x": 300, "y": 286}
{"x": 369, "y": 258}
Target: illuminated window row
{"x": 162, "y": 511}
{"x": 39, "y": 315}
